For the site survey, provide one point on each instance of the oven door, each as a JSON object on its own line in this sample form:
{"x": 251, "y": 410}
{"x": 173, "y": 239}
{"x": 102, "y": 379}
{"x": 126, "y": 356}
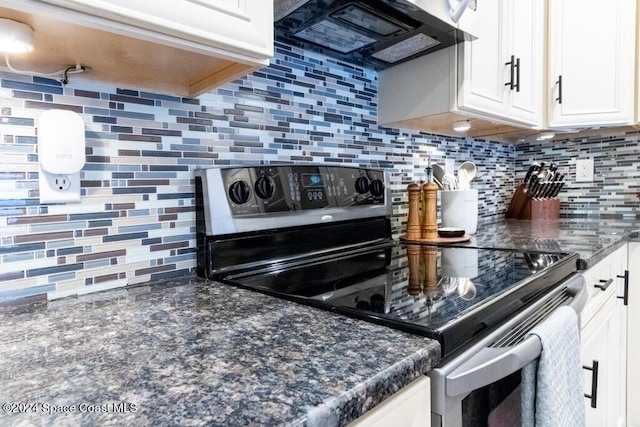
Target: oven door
{"x": 470, "y": 384}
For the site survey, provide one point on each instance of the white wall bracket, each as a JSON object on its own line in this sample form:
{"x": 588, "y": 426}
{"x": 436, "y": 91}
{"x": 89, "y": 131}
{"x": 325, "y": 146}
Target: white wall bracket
{"x": 61, "y": 154}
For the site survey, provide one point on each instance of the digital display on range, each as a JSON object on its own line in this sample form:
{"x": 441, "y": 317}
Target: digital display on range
{"x": 312, "y": 180}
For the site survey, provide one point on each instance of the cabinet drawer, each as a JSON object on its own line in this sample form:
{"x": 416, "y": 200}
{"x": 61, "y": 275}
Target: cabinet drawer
{"x": 604, "y": 280}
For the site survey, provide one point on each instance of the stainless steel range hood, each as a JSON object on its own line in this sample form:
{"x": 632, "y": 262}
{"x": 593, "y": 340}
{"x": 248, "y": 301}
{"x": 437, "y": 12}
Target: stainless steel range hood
{"x": 375, "y": 33}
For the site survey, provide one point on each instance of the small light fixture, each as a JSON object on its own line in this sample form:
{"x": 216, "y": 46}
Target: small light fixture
{"x": 545, "y": 135}
{"x": 15, "y": 37}
{"x": 462, "y": 126}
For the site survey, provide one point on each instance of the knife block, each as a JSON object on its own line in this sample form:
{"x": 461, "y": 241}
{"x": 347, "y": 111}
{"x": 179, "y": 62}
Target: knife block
{"x": 524, "y": 207}
{"x": 544, "y": 208}
{"x": 519, "y": 203}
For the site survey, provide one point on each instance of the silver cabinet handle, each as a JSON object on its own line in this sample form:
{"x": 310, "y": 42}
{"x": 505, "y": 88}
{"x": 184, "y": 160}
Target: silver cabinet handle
{"x": 604, "y": 284}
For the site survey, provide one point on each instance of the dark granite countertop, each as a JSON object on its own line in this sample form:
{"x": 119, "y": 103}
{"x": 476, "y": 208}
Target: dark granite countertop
{"x": 592, "y": 239}
{"x": 193, "y": 352}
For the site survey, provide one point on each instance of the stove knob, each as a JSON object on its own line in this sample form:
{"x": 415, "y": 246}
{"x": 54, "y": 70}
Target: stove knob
{"x": 239, "y": 192}
{"x": 362, "y": 185}
{"x": 264, "y": 187}
{"x": 377, "y": 188}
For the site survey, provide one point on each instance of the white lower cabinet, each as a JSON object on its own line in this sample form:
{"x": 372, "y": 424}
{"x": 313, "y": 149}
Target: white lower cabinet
{"x": 603, "y": 342}
{"x": 633, "y": 350}
{"x": 410, "y": 407}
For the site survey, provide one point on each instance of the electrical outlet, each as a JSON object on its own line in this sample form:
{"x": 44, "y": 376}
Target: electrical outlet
{"x": 584, "y": 170}
{"x": 60, "y": 182}
{"x": 59, "y": 188}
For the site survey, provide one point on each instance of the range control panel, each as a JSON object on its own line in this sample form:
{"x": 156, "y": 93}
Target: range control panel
{"x": 263, "y": 189}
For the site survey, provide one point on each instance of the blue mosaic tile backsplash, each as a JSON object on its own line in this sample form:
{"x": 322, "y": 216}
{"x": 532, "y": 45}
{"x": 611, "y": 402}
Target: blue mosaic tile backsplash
{"x": 136, "y": 219}
{"x": 615, "y": 190}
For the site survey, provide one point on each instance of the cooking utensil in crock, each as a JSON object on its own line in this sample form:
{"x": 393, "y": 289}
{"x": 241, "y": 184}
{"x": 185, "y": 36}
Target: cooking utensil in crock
{"x": 438, "y": 174}
{"x": 466, "y": 173}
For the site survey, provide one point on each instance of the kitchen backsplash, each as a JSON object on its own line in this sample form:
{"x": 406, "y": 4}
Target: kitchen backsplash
{"x": 136, "y": 218}
{"x": 615, "y": 191}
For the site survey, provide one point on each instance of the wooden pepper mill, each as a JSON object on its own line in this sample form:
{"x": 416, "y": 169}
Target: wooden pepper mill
{"x": 414, "y": 231}
{"x": 429, "y": 230}
{"x": 415, "y": 275}
{"x": 430, "y": 286}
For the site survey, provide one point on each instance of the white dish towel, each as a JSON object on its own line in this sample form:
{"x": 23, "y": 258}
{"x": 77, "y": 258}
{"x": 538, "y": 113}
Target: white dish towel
{"x": 552, "y": 389}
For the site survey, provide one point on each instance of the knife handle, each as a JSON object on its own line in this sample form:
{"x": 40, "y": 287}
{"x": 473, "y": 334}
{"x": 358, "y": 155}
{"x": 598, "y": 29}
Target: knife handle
{"x": 532, "y": 169}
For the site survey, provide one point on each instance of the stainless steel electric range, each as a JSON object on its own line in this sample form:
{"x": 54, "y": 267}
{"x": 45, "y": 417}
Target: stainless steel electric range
{"x": 321, "y": 235}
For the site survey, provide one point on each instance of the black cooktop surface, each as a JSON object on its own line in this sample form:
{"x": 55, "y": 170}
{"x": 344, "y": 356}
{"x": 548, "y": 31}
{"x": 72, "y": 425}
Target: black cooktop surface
{"x": 452, "y": 294}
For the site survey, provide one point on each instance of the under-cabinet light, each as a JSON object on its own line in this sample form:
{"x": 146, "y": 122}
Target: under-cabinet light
{"x": 15, "y": 37}
{"x": 546, "y": 135}
{"x": 462, "y": 126}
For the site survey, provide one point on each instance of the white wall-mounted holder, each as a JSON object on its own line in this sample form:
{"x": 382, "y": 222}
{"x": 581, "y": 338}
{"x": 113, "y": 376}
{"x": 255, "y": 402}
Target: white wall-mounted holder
{"x": 61, "y": 154}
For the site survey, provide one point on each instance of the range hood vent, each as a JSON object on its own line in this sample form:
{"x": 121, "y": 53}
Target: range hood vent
{"x": 375, "y": 34}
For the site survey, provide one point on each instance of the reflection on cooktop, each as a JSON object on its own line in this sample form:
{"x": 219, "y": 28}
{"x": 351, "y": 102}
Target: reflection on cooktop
{"x": 447, "y": 293}
{"x": 314, "y": 279}
{"x": 432, "y": 285}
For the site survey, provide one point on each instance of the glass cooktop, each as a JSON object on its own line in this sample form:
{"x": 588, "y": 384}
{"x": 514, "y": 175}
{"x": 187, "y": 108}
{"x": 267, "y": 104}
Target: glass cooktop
{"x": 452, "y": 294}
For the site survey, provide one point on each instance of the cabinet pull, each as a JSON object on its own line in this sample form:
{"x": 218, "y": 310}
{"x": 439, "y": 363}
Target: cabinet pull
{"x": 604, "y": 284}
{"x": 625, "y": 296}
{"x": 594, "y": 383}
{"x": 559, "y": 83}
{"x": 512, "y": 65}
{"x": 517, "y": 67}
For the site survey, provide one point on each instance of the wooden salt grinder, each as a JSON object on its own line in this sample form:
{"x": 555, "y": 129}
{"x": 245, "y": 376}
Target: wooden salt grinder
{"x": 429, "y": 215}
{"x": 413, "y": 221}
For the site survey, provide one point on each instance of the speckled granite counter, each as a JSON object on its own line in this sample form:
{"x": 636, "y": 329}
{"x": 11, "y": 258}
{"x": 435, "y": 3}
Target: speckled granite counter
{"x": 592, "y": 239}
{"x": 200, "y": 353}
{"x": 192, "y": 352}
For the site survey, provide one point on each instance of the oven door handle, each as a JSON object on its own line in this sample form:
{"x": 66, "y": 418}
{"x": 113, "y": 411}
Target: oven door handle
{"x": 492, "y": 364}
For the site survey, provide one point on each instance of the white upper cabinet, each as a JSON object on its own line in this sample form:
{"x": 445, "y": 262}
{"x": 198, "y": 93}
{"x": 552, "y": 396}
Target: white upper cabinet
{"x": 591, "y": 62}
{"x": 239, "y": 28}
{"x": 496, "y": 80}
{"x": 182, "y": 47}
{"x": 502, "y": 72}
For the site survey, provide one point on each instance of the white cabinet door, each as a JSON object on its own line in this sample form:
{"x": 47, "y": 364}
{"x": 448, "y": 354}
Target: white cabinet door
{"x": 597, "y": 341}
{"x": 240, "y": 26}
{"x": 410, "y": 407}
{"x": 618, "y": 274}
{"x": 603, "y": 339}
{"x": 502, "y": 71}
{"x": 527, "y": 35}
{"x": 633, "y": 350}
{"x": 482, "y": 84}
{"x": 591, "y": 62}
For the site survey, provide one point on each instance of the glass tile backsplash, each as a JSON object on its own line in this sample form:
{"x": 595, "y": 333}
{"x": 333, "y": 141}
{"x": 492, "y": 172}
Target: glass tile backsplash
{"x": 615, "y": 190}
{"x": 135, "y": 222}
